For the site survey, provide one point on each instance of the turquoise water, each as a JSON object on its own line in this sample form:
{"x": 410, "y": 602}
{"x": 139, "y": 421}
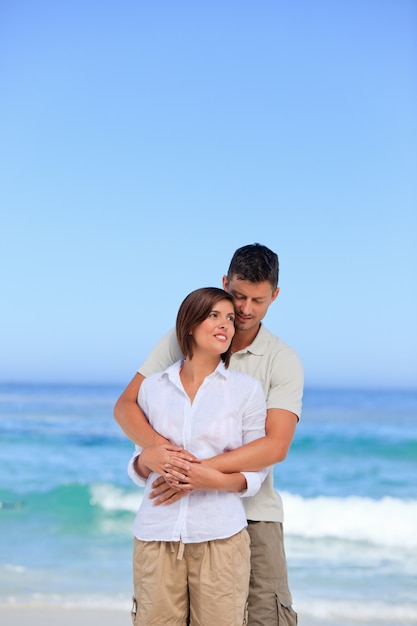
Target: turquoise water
{"x": 349, "y": 487}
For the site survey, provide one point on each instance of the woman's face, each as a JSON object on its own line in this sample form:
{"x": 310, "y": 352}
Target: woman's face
{"x": 215, "y": 333}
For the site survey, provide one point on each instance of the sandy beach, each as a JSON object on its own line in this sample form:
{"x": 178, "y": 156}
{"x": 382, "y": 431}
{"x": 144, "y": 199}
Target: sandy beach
{"x": 54, "y": 616}
{"x": 15, "y": 615}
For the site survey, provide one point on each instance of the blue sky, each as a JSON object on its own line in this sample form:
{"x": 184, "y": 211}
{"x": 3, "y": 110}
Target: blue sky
{"x": 142, "y": 142}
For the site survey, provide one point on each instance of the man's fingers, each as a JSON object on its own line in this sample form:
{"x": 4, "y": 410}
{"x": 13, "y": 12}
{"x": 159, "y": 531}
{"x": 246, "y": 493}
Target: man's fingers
{"x": 168, "y": 497}
{"x": 158, "y": 482}
{"x": 165, "y": 496}
{"x": 179, "y": 463}
{"x": 188, "y": 456}
{"x": 172, "y": 474}
{"x": 159, "y": 489}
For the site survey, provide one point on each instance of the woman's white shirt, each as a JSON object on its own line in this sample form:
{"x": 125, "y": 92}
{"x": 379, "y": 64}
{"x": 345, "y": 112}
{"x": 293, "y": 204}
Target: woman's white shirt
{"x": 228, "y": 411}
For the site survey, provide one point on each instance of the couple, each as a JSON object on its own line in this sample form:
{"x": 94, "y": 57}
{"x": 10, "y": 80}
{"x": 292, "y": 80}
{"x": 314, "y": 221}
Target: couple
{"x": 217, "y": 570}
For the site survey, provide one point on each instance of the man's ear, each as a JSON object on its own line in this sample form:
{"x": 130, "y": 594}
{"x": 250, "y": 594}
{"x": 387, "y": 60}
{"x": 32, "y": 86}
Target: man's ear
{"x": 225, "y": 283}
{"x": 275, "y": 294}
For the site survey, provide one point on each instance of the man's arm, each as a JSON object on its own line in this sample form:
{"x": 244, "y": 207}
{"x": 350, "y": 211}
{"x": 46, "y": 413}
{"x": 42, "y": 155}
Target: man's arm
{"x": 132, "y": 419}
{"x": 158, "y": 450}
{"x": 273, "y": 448}
{"x": 263, "y": 452}
{"x": 127, "y": 413}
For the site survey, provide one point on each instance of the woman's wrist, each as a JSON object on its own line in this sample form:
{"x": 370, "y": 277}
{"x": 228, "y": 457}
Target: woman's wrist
{"x": 140, "y": 467}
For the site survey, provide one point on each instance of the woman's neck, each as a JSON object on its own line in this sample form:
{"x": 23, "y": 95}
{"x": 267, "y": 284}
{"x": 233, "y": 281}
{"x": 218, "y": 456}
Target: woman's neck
{"x": 194, "y": 371}
{"x": 198, "y": 366}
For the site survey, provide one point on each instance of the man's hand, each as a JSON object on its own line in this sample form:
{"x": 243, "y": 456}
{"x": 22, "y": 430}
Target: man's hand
{"x": 263, "y": 452}
{"x": 163, "y": 493}
{"x": 157, "y": 457}
{"x": 199, "y": 476}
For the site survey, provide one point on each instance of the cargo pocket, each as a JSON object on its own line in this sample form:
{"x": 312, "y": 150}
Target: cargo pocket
{"x": 134, "y": 610}
{"x": 286, "y": 614}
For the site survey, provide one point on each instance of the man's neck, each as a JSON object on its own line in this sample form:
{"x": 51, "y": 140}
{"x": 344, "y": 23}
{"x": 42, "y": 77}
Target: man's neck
{"x": 243, "y": 338}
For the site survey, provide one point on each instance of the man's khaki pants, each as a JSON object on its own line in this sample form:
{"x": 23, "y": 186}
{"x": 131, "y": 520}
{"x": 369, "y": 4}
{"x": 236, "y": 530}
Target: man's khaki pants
{"x": 269, "y": 595}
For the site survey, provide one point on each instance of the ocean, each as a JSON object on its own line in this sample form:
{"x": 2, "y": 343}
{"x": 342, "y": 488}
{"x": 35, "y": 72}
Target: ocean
{"x": 349, "y": 486}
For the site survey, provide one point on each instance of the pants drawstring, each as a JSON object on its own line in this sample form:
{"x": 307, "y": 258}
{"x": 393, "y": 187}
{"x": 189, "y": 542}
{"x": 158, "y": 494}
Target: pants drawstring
{"x": 181, "y": 548}
{"x": 180, "y": 551}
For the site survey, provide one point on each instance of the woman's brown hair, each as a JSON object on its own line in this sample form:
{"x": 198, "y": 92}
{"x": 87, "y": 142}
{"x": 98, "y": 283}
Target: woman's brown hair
{"x": 194, "y": 309}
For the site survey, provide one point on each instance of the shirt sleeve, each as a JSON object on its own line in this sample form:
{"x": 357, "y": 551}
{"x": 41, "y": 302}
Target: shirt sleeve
{"x": 254, "y": 482}
{"x": 137, "y": 479}
{"x": 254, "y": 428}
{"x": 166, "y": 352}
{"x": 286, "y": 383}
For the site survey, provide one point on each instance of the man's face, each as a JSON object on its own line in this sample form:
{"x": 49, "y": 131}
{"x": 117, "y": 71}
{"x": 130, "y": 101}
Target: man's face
{"x": 251, "y": 301}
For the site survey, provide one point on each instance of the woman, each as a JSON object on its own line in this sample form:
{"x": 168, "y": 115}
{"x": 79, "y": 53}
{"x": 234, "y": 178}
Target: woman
{"x": 191, "y": 559}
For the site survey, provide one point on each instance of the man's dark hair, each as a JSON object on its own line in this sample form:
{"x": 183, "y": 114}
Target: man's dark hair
{"x": 255, "y": 263}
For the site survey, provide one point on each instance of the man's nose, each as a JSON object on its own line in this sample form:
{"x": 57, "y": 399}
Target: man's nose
{"x": 246, "y": 307}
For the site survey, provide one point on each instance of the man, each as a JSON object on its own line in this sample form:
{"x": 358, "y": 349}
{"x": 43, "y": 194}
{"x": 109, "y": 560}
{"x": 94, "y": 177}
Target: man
{"x": 252, "y": 280}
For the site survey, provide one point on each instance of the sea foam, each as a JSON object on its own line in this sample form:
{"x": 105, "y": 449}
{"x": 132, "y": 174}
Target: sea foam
{"x": 356, "y": 612}
{"x": 111, "y": 498}
{"x": 390, "y": 522}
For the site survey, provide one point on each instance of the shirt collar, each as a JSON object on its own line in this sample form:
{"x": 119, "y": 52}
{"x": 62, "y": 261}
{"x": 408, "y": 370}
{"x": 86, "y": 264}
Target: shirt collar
{"x": 259, "y": 344}
{"x": 173, "y": 371}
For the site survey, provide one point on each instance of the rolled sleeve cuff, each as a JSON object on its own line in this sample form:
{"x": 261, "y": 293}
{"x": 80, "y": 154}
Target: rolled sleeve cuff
{"x": 253, "y": 484}
{"x": 133, "y": 475}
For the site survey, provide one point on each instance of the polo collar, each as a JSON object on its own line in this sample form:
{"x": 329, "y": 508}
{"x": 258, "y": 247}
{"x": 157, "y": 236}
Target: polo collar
{"x": 259, "y": 344}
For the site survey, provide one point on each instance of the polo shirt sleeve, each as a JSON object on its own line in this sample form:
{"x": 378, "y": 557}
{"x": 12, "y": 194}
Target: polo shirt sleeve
{"x": 165, "y": 353}
{"x": 286, "y": 382}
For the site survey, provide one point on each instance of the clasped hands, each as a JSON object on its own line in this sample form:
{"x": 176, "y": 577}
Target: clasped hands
{"x": 180, "y": 472}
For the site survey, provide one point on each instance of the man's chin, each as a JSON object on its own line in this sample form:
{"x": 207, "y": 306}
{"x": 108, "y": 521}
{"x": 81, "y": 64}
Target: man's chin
{"x": 242, "y": 326}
